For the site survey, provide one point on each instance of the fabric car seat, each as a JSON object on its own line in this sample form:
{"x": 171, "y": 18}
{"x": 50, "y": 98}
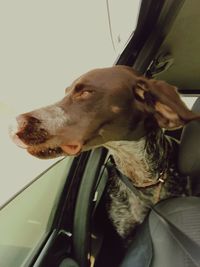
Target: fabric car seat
{"x": 153, "y": 245}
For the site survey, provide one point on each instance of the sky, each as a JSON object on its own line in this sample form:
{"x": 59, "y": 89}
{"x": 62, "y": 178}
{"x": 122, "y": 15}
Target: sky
{"x": 44, "y": 46}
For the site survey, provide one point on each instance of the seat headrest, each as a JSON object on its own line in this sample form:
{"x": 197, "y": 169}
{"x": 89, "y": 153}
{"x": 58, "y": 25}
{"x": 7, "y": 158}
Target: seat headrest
{"x": 189, "y": 151}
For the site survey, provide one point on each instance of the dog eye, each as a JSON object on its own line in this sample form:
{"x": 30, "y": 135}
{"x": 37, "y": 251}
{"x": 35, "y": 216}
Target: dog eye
{"x": 138, "y": 98}
{"x": 82, "y": 92}
{"x": 79, "y": 87}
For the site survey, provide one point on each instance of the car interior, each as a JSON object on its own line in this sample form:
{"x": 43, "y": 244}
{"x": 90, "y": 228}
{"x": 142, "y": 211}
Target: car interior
{"x": 164, "y": 45}
{"x": 172, "y": 50}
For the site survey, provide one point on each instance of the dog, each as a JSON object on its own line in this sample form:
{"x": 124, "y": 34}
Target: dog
{"x": 125, "y": 112}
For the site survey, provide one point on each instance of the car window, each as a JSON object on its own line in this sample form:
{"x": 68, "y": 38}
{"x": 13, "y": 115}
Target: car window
{"x": 189, "y": 100}
{"x": 123, "y": 17}
{"x": 26, "y": 220}
{"x": 45, "y": 45}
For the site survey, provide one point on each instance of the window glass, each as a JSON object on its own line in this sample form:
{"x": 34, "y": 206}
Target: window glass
{"x": 45, "y": 45}
{"x": 25, "y": 221}
{"x": 189, "y": 101}
{"x": 123, "y": 20}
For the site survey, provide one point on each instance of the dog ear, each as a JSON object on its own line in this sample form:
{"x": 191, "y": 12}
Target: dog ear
{"x": 163, "y": 101}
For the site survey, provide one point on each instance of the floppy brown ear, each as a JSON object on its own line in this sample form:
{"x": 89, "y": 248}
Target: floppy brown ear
{"x": 163, "y": 101}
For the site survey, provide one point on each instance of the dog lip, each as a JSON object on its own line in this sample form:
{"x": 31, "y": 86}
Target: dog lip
{"x": 13, "y": 133}
{"x": 45, "y": 152}
{"x": 18, "y": 141}
{"x": 72, "y": 149}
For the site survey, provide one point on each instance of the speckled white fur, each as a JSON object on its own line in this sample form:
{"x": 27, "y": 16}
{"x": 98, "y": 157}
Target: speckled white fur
{"x": 125, "y": 209}
{"x": 130, "y": 157}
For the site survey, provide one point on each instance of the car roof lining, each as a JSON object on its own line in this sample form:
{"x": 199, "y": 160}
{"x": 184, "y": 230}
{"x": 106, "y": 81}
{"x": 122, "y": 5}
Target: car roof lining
{"x": 183, "y": 44}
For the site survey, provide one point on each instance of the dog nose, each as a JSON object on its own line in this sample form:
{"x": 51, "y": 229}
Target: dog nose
{"x": 25, "y": 120}
{"x": 28, "y": 131}
{"x": 21, "y": 121}
{"x": 17, "y": 124}
{"x": 14, "y": 128}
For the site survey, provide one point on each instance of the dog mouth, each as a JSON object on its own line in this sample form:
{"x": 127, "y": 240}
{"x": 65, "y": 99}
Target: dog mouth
{"x": 45, "y": 153}
{"x": 53, "y": 152}
{"x": 50, "y": 149}
{"x": 43, "y": 148}
{"x": 72, "y": 149}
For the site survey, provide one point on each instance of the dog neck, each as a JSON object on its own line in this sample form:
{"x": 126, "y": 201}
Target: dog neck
{"x": 142, "y": 160}
{"x": 130, "y": 159}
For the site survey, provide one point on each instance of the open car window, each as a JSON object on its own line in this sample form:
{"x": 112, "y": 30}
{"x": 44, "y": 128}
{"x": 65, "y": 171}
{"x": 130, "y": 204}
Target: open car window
{"x": 44, "y": 47}
{"x": 123, "y": 20}
{"x": 189, "y": 100}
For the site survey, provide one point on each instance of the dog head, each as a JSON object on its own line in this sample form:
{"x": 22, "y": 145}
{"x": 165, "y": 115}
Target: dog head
{"x": 103, "y": 105}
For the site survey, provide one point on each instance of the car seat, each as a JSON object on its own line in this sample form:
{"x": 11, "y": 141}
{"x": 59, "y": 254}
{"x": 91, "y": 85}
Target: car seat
{"x": 154, "y": 245}
{"x": 189, "y": 155}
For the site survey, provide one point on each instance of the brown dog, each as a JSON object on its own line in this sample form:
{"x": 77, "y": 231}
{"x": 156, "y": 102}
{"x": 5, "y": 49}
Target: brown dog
{"x": 123, "y": 111}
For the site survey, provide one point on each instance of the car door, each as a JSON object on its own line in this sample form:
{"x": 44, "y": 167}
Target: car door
{"x": 28, "y": 223}
{"x": 48, "y": 221}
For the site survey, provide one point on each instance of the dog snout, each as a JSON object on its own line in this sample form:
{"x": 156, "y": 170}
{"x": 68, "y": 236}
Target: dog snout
{"x": 23, "y": 120}
{"x": 29, "y": 130}
{"x": 27, "y": 123}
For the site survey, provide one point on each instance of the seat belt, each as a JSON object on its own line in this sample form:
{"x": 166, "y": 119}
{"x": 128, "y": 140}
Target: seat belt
{"x": 189, "y": 246}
